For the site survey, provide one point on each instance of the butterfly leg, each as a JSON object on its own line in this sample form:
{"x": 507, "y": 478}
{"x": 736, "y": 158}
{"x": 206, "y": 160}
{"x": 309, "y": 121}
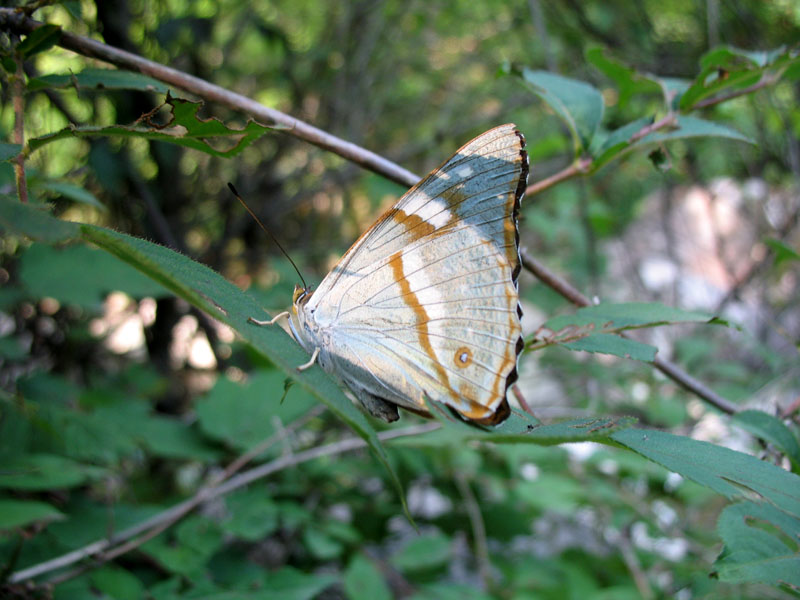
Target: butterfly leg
{"x": 271, "y": 321}
{"x": 311, "y": 362}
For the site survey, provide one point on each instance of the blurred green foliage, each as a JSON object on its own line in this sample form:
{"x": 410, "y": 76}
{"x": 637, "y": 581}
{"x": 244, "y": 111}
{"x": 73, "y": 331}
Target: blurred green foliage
{"x": 122, "y": 398}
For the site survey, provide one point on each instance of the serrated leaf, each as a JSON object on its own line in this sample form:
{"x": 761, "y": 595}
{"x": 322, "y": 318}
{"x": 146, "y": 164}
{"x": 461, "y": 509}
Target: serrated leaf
{"x": 577, "y": 103}
{"x": 771, "y": 430}
{"x": 40, "y": 39}
{"x": 101, "y": 79}
{"x": 19, "y": 513}
{"x": 727, "y": 472}
{"x": 9, "y": 151}
{"x": 761, "y": 545}
{"x": 608, "y": 343}
{"x": 184, "y": 128}
{"x": 519, "y": 428}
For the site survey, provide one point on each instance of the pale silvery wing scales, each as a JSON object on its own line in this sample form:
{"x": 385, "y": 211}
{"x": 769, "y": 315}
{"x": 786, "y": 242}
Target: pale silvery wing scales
{"x": 425, "y": 303}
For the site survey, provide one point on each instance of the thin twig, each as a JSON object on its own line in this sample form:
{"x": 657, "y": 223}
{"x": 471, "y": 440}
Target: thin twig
{"x": 18, "y": 101}
{"x": 668, "y": 120}
{"x": 473, "y": 508}
{"x": 766, "y": 79}
{"x": 579, "y": 167}
{"x": 634, "y": 566}
{"x": 170, "y": 515}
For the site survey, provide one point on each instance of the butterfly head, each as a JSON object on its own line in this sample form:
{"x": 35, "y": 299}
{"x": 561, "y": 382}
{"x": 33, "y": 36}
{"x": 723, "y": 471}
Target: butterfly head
{"x": 300, "y": 296}
{"x": 299, "y": 319}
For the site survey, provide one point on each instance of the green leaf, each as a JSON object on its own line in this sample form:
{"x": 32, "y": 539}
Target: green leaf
{"x": 519, "y": 428}
{"x": 617, "y": 141}
{"x": 782, "y": 251}
{"x": 320, "y": 544}
{"x": 609, "y": 317}
{"x": 771, "y": 430}
{"x": 291, "y": 584}
{"x": 9, "y": 151}
{"x": 34, "y": 472}
{"x": 68, "y": 190}
{"x": 244, "y": 415}
{"x": 628, "y": 81}
{"x": 170, "y": 438}
{"x": 688, "y": 127}
{"x": 252, "y": 515}
{"x": 195, "y": 541}
{"x": 19, "y": 513}
{"x": 423, "y": 553}
{"x": 184, "y": 128}
{"x": 117, "y": 583}
{"x": 40, "y": 39}
{"x": 608, "y": 343}
{"x": 595, "y": 328}
{"x": 63, "y": 274}
{"x": 34, "y": 222}
{"x": 363, "y": 580}
{"x": 726, "y": 69}
{"x": 672, "y": 88}
{"x": 761, "y": 545}
{"x": 101, "y": 79}
{"x": 732, "y": 474}
{"x": 577, "y": 103}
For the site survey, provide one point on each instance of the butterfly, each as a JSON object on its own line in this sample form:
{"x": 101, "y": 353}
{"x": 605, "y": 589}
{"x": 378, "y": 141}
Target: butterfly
{"x": 425, "y": 304}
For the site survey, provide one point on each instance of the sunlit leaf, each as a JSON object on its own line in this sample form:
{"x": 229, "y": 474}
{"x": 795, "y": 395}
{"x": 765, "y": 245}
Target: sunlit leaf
{"x": 40, "y": 39}
{"x": 184, "y": 128}
{"x": 101, "y": 79}
{"x": 69, "y": 190}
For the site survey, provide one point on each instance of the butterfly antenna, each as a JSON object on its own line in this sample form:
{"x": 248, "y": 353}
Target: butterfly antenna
{"x": 267, "y": 231}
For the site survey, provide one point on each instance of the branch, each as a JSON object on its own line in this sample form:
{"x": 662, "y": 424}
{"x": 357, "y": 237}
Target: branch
{"x": 107, "y": 548}
{"x": 18, "y": 101}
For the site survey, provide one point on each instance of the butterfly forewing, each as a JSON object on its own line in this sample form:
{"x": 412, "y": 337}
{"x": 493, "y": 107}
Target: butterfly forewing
{"x": 425, "y": 303}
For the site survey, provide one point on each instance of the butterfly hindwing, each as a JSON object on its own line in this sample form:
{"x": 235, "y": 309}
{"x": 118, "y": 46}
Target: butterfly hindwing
{"x": 425, "y": 303}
